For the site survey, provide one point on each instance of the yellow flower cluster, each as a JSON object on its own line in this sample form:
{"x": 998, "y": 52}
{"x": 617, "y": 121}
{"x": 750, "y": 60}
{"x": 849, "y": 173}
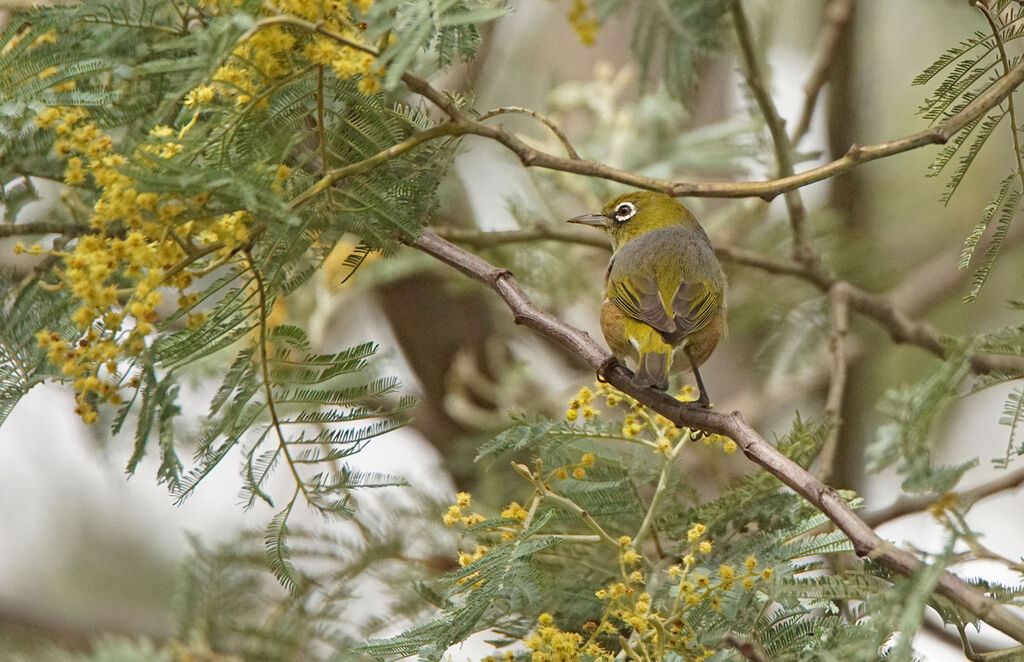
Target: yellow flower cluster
{"x": 577, "y": 470}
{"x": 467, "y": 558}
{"x": 549, "y": 644}
{"x": 662, "y": 433}
{"x": 945, "y": 502}
{"x": 582, "y": 19}
{"x": 455, "y": 515}
{"x": 515, "y": 511}
{"x": 581, "y": 405}
{"x": 275, "y": 52}
{"x": 649, "y": 627}
{"x": 140, "y": 242}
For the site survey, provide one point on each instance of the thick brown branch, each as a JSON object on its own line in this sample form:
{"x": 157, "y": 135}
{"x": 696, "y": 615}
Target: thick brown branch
{"x": 865, "y": 541}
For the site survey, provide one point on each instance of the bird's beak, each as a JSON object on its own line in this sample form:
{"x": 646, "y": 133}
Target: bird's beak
{"x": 596, "y": 220}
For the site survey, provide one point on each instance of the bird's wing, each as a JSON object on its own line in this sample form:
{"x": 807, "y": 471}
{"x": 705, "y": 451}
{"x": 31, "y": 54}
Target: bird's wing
{"x": 693, "y": 306}
{"x": 638, "y": 297}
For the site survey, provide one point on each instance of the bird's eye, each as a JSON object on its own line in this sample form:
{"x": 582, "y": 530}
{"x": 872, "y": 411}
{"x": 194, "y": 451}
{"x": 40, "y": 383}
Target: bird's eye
{"x": 625, "y": 211}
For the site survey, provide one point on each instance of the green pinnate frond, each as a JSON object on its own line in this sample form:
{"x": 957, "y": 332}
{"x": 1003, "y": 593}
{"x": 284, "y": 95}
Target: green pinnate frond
{"x": 1009, "y": 206}
{"x": 826, "y": 588}
{"x": 994, "y": 205}
{"x": 22, "y": 363}
{"x": 449, "y": 26}
{"x": 672, "y": 37}
{"x": 971, "y": 69}
{"x": 951, "y": 55}
{"x": 502, "y": 581}
{"x": 985, "y": 129}
{"x": 1013, "y": 416}
{"x": 275, "y": 542}
{"x": 826, "y": 543}
{"x": 152, "y": 393}
{"x": 916, "y": 411}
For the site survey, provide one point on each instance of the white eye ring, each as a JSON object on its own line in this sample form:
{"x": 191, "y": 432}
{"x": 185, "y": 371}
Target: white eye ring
{"x": 625, "y": 211}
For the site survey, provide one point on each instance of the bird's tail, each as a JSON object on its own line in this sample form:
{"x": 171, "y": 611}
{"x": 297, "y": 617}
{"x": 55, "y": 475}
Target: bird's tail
{"x": 652, "y": 370}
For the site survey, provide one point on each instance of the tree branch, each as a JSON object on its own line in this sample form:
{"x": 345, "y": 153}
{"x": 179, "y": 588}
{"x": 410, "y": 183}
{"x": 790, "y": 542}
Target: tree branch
{"x": 543, "y": 119}
{"x": 756, "y": 81}
{"x": 768, "y": 189}
{"x": 901, "y": 327}
{"x": 837, "y": 18}
{"x": 904, "y": 506}
{"x": 837, "y": 381}
{"x": 42, "y": 227}
{"x": 744, "y": 648}
{"x": 539, "y": 232}
{"x": 865, "y": 541}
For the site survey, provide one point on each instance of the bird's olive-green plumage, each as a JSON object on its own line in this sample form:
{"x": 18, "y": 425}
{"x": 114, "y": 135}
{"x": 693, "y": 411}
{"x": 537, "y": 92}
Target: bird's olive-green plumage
{"x": 664, "y": 288}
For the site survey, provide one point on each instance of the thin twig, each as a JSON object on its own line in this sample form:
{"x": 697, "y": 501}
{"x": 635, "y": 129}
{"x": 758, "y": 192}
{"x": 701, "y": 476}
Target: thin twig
{"x": 659, "y": 491}
{"x": 766, "y": 190}
{"x": 369, "y": 163}
{"x": 543, "y": 119}
{"x": 300, "y": 485}
{"x": 758, "y": 84}
{"x": 824, "y": 463}
{"x": 836, "y": 21}
{"x": 539, "y": 232}
{"x": 42, "y": 227}
{"x": 904, "y": 506}
{"x": 546, "y": 493}
{"x": 865, "y": 541}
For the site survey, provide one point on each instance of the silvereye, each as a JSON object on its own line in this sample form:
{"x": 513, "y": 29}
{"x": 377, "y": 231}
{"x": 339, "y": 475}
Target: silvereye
{"x": 664, "y": 288}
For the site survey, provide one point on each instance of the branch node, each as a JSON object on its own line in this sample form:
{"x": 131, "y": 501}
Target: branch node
{"x": 498, "y": 274}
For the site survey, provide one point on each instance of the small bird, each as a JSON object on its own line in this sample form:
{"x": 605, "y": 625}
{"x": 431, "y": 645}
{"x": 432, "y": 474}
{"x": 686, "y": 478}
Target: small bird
{"x": 664, "y": 287}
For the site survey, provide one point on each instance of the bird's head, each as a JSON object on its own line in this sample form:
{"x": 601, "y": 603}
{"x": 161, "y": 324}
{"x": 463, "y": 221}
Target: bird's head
{"x": 632, "y": 214}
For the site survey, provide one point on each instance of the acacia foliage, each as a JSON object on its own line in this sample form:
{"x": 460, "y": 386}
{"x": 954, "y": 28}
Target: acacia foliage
{"x": 226, "y": 150}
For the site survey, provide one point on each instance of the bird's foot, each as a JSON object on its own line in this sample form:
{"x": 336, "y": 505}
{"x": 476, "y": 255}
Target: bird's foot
{"x": 703, "y": 402}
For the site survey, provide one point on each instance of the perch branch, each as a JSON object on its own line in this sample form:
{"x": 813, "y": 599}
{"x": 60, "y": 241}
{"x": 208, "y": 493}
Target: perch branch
{"x": 901, "y": 327}
{"x": 865, "y": 541}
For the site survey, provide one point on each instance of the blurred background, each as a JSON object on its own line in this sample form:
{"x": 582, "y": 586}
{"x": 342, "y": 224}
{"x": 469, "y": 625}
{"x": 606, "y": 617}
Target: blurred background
{"x": 89, "y": 551}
